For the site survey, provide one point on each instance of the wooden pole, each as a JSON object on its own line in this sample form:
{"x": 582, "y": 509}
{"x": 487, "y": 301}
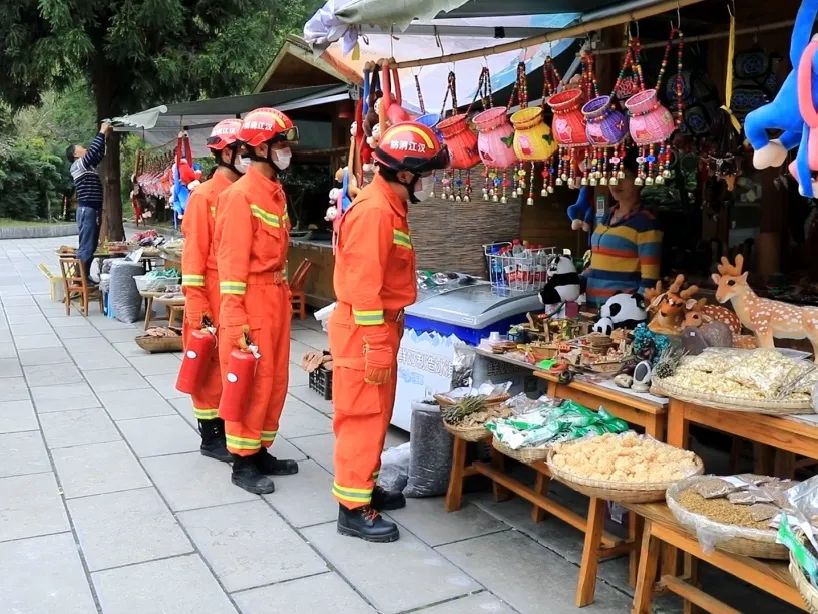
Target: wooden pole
{"x": 571, "y": 32}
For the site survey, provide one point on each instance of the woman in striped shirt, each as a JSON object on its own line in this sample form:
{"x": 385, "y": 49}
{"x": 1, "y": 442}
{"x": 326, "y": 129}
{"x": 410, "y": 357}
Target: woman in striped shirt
{"x": 626, "y": 246}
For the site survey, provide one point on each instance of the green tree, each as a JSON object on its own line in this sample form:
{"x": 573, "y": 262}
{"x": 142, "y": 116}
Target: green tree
{"x": 138, "y": 53}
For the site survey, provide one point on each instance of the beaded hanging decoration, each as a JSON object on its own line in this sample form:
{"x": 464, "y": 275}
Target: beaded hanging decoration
{"x": 588, "y": 168}
{"x": 449, "y": 182}
{"x": 518, "y": 177}
{"x": 625, "y": 87}
{"x": 658, "y": 157}
{"x": 423, "y": 112}
{"x": 551, "y": 82}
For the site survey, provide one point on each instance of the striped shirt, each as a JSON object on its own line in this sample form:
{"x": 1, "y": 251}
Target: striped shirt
{"x": 85, "y": 175}
{"x": 626, "y": 256}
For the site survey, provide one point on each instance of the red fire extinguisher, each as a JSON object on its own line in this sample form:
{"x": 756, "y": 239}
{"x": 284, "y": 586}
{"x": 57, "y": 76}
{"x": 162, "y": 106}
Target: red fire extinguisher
{"x": 199, "y": 349}
{"x": 238, "y": 382}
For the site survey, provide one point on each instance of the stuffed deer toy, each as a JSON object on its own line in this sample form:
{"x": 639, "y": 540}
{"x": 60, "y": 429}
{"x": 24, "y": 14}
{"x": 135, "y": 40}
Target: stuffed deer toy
{"x": 767, "y": 319}
{"x": 668, "y": 308}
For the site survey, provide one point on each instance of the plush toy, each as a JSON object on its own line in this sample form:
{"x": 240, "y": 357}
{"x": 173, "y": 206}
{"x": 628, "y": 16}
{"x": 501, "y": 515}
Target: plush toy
{"x": 563, "y": 282}
{"x": 581, "y": 213}
{"x": 783, "y": 112}
{"x": 621, "y": 311}
{"x": 668, "y": 307}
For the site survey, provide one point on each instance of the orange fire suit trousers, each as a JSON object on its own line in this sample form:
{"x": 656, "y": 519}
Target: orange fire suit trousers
{"x": 362, "y": 411}
{"x": 269, "y": 312}
{"x": 206, "y": 397}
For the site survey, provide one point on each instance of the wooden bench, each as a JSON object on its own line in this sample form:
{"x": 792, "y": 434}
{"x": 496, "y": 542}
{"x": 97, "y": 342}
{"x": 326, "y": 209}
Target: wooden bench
{"x": 660, "y": 527}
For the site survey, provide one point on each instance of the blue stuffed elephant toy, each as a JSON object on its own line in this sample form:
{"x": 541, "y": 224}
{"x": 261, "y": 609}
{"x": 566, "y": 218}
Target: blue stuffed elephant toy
{"x": 581, "y": 213}
{"x": 784, "y": 113}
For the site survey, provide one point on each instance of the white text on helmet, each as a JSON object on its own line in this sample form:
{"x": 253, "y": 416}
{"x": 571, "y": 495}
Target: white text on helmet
{"x": 402, "y": 145}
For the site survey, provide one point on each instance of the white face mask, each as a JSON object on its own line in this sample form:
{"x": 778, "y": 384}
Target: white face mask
{"x": 423, "y": 188}
{"x": 281, "y": 157}
{"x": 241, "y": 165}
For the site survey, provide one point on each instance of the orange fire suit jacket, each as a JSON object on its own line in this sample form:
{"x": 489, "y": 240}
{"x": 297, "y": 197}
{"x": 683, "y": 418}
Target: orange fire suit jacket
{"x": 253, "y": 245}
{"x": 199, "y": 273}
{"x": 375, "y": 262}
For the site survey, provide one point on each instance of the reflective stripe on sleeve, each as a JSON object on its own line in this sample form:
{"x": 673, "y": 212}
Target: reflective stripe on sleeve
{"x": 233, "y": 287}
{"x": 368, "y": 318}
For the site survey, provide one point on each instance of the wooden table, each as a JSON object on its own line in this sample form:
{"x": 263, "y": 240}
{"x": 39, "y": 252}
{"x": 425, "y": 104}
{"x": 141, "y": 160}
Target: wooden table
{"x": 660, "y": 527}
{"x": 174, "y": 306}
{"x": 641, "y": 410}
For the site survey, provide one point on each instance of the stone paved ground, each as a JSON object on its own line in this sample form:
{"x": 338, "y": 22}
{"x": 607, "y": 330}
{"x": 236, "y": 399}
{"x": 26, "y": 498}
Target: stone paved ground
{"x": 107, "y": 506}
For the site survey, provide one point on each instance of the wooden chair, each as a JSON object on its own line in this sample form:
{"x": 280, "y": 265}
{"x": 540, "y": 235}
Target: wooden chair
{"x": 297, "y": 296}
{"x": 76, "y": 285}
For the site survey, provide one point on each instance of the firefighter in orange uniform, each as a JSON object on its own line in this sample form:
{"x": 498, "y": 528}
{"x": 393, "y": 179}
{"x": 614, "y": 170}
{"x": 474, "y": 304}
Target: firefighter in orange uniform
{"x": 252, "y": 239}
{"x": 200, "y": 279}
{"x": 374, "y": 280}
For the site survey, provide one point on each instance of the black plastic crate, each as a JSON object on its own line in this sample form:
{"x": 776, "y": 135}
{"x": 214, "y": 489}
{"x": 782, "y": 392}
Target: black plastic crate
{"x": 321, "y": 382}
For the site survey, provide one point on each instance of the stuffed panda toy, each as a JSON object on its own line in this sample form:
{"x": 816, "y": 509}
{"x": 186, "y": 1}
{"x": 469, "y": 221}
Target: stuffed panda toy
{"x": 563, "y": 282}
{"x": 621, "y": 311}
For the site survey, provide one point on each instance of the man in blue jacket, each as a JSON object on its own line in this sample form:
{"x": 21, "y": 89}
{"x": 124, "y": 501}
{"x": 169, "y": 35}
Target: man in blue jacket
{"x": 84, "y": 173}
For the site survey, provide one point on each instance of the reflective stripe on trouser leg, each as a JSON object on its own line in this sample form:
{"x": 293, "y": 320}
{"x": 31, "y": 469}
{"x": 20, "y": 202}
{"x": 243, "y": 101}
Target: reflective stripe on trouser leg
{"x": 271, "y": 333}
{"x": 243, "y": 446}
{"x": 205, "y": 414}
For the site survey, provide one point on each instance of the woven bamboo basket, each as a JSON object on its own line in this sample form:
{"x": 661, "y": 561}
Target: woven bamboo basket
{"x": 445, "y": 401}
{"x": 469, "y": 433}
{"x": 744, "y": 541}
{"x": 777, "y": 407}
{"x": 619, "y": 492}
{"x": 524, "y": 455}
{"x": 156, "y": 345}
{"x": 804, "y": 586}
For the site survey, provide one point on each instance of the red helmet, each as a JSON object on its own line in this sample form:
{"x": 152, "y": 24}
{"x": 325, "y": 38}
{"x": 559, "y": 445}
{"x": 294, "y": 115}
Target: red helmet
{"x": 224, "y": 134}
{"x": 267, "y": 124}
{"x": 411, "y": 146}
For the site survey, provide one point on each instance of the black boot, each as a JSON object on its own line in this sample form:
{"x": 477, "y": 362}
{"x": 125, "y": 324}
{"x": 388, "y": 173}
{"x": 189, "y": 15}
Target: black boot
{"x": 247, "y": 476}
{"x": 385, "y": 500}
{"x": 213, "y": 442}
{"x": 270, "y": 465}
{"x": 366, "y": 523}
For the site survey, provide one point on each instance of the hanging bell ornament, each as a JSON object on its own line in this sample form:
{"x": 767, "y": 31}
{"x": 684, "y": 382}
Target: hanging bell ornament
{"x": 648, "y": 180}
{"x": 603, "y": 180}
{"x": 495, "y": 198}
{"x": 660, "y": 180}
{"x": 558, "y": 181}
{"x": 529, "y": 201}
{"x": 621, "y": 175}
{"x": 503, "y": 200}
{"x": 466, "y": 199}
{"x": 592, "y": 182}
{"x": 638, "y": 181}
{"x": 543, "y": 192}
{"x": 457, "y": 198}
{"x": 550, "y": 190}
{"x": 667, "y": 174}
{"x": 613, "y": 181}
{"x": 431, "y": 194}
{"x": 583, "y": 181}
{"x": 514, "y": 193}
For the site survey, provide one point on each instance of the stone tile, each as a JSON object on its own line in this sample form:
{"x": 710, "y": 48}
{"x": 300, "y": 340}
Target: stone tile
{"x": 297, "y": 351}
{"x": 305, "y": 499}
{"x": 85, "y": 345}
{"x": 411, "y": 564}
{"x": 78, "y": 332}
{"x": 19, "y": 301}
{"x": 10, "y": 367}
{"x": 299, "y": 419}
{"x": 312, "y": 338}
{"x": 156, "y": 364}
{"x": 529, "y": 576}
{"x": 140, "y": 403}
{"x": 7, "y": 349}
{"x": 62, "y": 321}
{"x": 184, "y": 408}
{"x": 98, "y": 468}
{"x": 34, "y": 342}
{"x": 129, "y": 348}
{"x": 126, "y": 527}
{"x": 159, "y": 435}
{"x": 52, "y": 375}
{"x": 14, "y": 389}
{"x": 44, "y": 575}
{"x": 322, "y": 593}
{"x": 106, "y": 359}
{"x": 30, "y": 505}
{"x": 319, "y": 448}
{"x": 105, "y": 323}
{"x": 423, "y": 518}
{"x": 65, "y": 397}
{"x": 248, "y": 544}
{"x": 76, "y": 427}
{"x": 312, "y": 398}
{"x": 115, "y": 379}
{"x": 24, "y": 453}
{"x": 282, "y": 448}
{"x": 17, "y": 416}
{"x": 121, "y": 334}
{"x": 182, "y": 585}
{"x": 47, "y": 356}
{"x": 166, "y": 385}
{"x": 191, "y": 481}
{"x": 473, "y": 604}
{"x": 298, "y": 377}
